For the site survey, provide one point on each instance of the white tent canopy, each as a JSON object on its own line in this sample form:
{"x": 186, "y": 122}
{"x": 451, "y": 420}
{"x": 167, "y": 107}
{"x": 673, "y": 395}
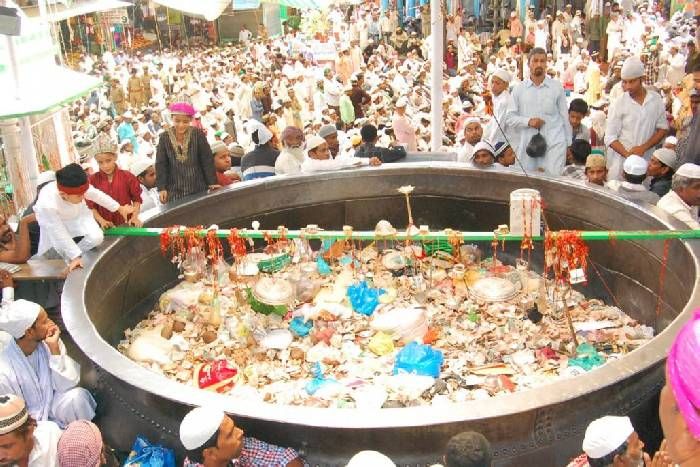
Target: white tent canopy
{"x": 58, "y": 11}
{"x": 205, "y": 9}
{"x": 29, "y": 77}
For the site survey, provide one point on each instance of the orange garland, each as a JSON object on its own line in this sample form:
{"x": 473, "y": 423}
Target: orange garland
{"x": 569, "y": 253}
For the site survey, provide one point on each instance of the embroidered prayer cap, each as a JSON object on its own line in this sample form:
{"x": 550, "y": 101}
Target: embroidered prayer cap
{"x": 667, "y": 157}
{"x": 218, "y": 146}
{"x": 199, "y": 425}
{"x": 182, "y": 105}
{"x": 500, "y": 148}
{"x": 367, "y": 458}
{"x": 683, "y": 365}
{"x": 80, "y": 445}
{"x": 19, "y": 316}
{"x": 13, "y": 413}
{"x": 606, "y": 434}
{"x": 103, "y": 144}
{"x": 595, "y": 161}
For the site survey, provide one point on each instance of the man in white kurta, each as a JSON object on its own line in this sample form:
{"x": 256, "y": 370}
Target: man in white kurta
{"x": 63, "y": 215}
{"x": 683, "y": 199}
{"x": 495, "y": 130}
{"x": 636, "y": 120}
{"x": 404, "y": 129}
{"x": 35, "y": 366}
{"x": 539, "y": 104}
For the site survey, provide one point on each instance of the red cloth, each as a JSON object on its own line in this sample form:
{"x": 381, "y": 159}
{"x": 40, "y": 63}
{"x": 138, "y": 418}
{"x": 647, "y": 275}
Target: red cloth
{"x": 223, "y": 179}
{"x": 124, "y": 189}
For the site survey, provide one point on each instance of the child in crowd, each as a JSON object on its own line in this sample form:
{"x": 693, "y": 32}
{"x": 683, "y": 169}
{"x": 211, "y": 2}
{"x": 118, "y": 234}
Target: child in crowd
{"x": 119, "y": 184}
{"x": 222, "y": 164}
{"x": 596, "y": 170}
{"x": 578, "y": 110}
{"x": 66, "y": 224}
{"x": 580, "y": 150}
{"x": 145, "y": 172}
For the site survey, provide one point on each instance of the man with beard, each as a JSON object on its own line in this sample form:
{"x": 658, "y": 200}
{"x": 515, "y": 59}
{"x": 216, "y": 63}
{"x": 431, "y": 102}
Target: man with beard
{"x": 539, "y": 105}
{"x": 684, "y": 198}
{"x": 35, "y": 365}
{"x": 292, "y": 154}
{"x": 472, "y": 135}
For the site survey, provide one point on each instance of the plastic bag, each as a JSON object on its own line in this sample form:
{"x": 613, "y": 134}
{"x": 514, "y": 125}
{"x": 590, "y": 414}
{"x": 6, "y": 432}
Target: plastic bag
{"x": 419, "y": 359}
{"x": 322, "y": 267}
{"x": 363, "y": 298}
{"x": 537, "y": 147}
{"x": 381, "y": 344}
{"x": 300, "y": 326}
{"x": 587, "y": 357}
{"x": 145, "y": 454}
{"x": 219, "y": 376}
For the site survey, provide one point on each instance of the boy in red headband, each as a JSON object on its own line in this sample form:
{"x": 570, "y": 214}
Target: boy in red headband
{"x": 66, "y": 224}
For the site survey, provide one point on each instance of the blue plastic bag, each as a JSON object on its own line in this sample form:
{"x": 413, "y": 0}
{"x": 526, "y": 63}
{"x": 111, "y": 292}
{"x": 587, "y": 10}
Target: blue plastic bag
{"x": 318, "y": 381}
{"x": 363, "y": 298}
{"x": 322, "y": 267}
{"x": 145, "y": 454}
{"x": 419, "y": 359}
{"x": 300, "y": 327}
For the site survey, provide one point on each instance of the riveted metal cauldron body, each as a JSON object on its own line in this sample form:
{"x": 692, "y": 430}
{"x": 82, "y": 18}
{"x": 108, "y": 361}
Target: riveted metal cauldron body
{"x": 540, "y": 427}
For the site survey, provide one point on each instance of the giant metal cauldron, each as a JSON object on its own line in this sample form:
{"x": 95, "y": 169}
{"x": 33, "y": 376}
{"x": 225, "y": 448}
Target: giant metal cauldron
{"x": 541, "y": 427}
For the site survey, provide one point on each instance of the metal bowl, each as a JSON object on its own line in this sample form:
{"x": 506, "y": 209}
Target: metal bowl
{"x": 542, "y": 427}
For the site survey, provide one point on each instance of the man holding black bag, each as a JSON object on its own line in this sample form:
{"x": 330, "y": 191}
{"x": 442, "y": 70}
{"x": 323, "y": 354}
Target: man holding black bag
{"x": 538, "y": 114}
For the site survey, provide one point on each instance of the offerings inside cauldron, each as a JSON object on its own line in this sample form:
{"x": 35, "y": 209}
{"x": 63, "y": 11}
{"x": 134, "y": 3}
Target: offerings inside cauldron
{"x": 384, "y": 323}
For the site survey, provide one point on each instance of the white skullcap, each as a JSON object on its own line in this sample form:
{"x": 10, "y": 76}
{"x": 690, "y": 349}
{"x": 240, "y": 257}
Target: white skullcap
{"x": 314, "y": 142}
{"x": 503, "y": 75}
{"x": 402, "y": 102}
{"x": 264, "y": 135}
{"x": 482, "y": 146}
{"x": 199, "y": 425}
{"x": 605, "y": 435}
{"x": 370, "y": 458}
{"x": 139, "y": 165}
{"x": 327, "y": 130}
{"x": 45, "y": 177}
{"x": 19, "y": 316}
{"x": 671, "y": 140}
{"x": 632, "y": 68}
{"x": 472, "y": 119}
{"x": 689, "y": 170}
{"x": 667, "y": 156}
{"x": 218, "y": 146}
{"x": 635, "y": 165}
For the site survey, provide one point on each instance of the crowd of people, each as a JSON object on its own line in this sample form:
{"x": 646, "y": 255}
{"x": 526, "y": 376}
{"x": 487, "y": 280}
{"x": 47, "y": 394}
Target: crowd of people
{"x": 607, "y": 97}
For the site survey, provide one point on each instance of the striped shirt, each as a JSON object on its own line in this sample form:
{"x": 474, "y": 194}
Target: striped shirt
{"x": 259, "y": 163}
{"x": 192, "y": 174}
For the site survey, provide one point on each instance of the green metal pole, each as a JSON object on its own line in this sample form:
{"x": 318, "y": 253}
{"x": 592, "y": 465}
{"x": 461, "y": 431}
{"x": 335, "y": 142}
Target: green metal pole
{"x": 431, "y": 236}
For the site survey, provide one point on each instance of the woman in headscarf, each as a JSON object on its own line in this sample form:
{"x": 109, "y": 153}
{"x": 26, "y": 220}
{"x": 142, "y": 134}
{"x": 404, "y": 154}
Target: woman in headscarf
{"x": 184, "y": 162}
{"x": 679, "y": 402}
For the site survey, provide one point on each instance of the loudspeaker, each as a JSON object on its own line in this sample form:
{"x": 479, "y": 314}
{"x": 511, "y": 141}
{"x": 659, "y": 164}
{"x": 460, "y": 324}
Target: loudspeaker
{"x": 9, "y": 21}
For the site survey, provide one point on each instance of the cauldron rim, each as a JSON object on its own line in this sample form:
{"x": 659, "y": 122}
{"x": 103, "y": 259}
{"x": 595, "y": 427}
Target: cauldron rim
{"x": 108, "y": 358}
